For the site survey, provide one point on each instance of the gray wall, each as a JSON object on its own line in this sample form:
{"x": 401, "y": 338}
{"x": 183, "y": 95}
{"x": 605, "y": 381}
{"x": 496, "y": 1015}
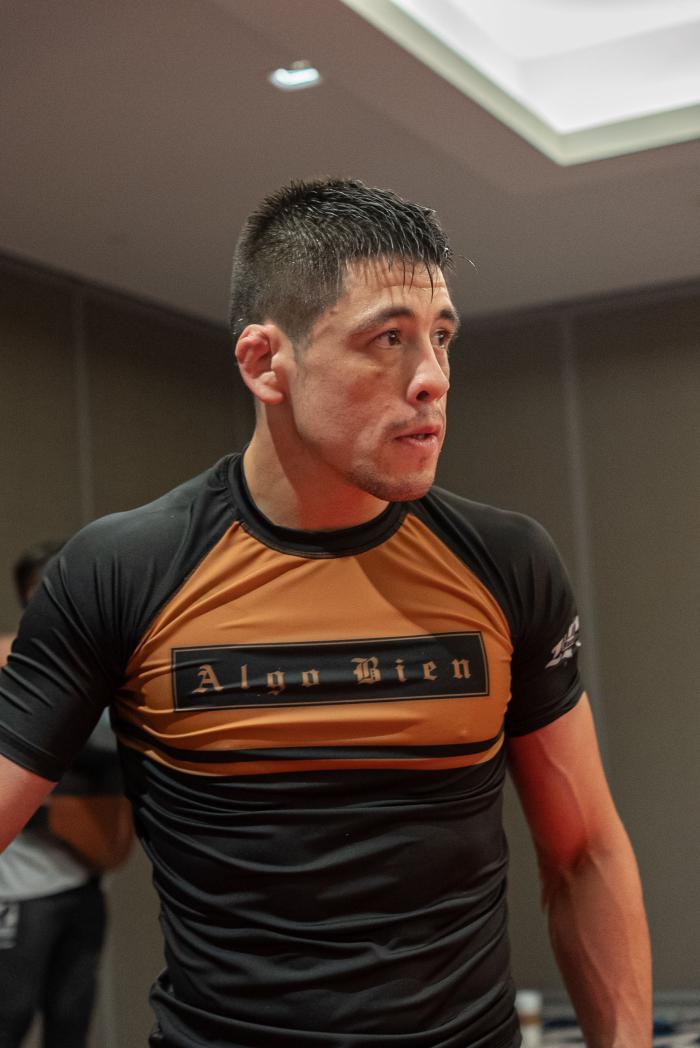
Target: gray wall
{"x": 584, "y": 416}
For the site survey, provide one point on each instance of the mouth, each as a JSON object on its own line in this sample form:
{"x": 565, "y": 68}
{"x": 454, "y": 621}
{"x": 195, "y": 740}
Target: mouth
{"x": 420, "y": 436}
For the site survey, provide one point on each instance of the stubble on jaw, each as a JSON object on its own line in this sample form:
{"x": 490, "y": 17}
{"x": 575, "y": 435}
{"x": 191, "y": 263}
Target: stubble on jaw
{"x": 392, "y": 485}
{"x": 388, "y": 489}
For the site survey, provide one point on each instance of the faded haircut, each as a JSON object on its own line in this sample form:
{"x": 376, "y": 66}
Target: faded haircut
{"x": 292, "y": 255}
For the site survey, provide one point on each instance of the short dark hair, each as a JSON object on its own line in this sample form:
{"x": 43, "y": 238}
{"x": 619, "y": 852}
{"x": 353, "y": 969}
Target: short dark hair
{"x": 293, "y": 252}
{"x": 32, "y": 562}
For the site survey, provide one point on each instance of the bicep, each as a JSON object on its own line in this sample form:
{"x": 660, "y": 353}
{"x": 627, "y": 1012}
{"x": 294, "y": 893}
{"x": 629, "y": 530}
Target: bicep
{"x": 560, "y": 780}
{"x": 21, "y": 793}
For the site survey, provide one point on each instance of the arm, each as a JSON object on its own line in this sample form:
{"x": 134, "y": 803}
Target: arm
{"x": 62, "y": 672}
{"x": 97, "y": 828}
{"x": 590, "y": 884}
{"x": 21, "y": 793}
{"x": 89, "y": 811}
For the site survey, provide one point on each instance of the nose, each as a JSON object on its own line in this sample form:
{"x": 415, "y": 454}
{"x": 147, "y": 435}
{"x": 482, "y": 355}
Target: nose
{"x": 431, "y": 377}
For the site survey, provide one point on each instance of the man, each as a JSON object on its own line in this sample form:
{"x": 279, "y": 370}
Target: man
{"x": 52, "y": 911}
{"x": 310, "y": 656}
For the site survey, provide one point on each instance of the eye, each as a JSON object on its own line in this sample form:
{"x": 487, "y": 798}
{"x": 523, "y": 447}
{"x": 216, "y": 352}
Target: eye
{"x": 442, "y": 338}
{"x": 390, "y": 338}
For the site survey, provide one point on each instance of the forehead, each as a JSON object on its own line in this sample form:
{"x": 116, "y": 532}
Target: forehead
{"x": 399, "y": 276}
{"x": 381, "y": 284}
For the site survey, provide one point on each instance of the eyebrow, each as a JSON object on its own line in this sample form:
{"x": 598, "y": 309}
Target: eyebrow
{"x": 382, "y": 316}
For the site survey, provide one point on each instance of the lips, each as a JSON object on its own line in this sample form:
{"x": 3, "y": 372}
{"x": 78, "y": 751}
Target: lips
{"x": 420, "y": 440}
{"x": 420, "y": 433}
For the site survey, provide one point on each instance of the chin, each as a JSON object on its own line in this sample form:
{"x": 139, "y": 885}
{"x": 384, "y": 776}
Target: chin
{"x": 398, "y": 489}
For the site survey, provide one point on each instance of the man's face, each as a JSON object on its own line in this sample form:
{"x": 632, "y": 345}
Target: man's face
{"x": 367, "y": 391}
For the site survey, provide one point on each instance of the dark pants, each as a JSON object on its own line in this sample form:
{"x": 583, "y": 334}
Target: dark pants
{"x": 49, "y": 953}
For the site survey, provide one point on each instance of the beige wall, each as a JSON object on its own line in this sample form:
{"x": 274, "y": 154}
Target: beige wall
{"x": 584, "y": 417}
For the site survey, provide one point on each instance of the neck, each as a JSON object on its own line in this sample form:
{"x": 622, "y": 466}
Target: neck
{"x": 294, "y": 491}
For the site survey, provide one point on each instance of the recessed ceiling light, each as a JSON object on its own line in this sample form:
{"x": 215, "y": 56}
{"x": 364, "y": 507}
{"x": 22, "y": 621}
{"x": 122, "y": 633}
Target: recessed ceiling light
{"x": 299, "y": 75}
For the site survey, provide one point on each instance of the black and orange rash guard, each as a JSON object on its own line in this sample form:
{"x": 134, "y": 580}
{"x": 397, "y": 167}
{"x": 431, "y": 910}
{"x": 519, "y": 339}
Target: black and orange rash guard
{"x": 312, "y": 728}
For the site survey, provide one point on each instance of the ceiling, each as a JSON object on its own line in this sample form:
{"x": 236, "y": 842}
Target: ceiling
{"x": 136, "y": 136}
{"x": 580, "y": 80}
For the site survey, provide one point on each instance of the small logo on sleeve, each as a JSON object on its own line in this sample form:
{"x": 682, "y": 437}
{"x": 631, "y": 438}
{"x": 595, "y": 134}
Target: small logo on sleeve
{"x": 566, "y": 648}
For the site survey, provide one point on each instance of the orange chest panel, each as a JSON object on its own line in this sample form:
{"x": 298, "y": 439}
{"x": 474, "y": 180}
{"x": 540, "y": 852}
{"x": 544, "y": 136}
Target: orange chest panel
{"x": 395, "y": 654}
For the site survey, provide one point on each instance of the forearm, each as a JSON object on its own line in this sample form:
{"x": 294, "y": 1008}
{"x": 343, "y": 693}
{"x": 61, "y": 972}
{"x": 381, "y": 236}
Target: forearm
{"x": 21, "y": 793}
{"x": 599, "y": 935}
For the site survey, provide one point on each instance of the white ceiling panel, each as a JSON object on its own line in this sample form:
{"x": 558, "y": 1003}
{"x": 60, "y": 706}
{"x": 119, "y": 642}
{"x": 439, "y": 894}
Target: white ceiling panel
{"x": 579, "y": 79}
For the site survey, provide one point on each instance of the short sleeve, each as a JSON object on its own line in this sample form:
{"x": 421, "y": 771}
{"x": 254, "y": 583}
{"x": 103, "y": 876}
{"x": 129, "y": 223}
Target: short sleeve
{"x": 545, "y": 680}
{"x": 62, "y": 670}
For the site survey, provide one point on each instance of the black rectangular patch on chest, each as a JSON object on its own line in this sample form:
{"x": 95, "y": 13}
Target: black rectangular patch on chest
{"x": 320, "y": 673}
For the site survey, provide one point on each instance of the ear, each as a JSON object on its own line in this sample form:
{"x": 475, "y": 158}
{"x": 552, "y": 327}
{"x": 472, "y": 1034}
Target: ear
{"x": 255, "y": 352}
